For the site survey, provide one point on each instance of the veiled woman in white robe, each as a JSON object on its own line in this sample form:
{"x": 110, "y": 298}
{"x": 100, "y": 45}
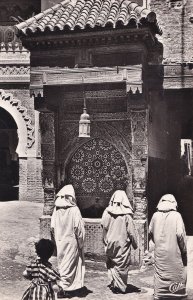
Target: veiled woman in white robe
{"x": 118, "y": 236}
{"x": 69, "y": 234}
{"x": 168, "y": 233}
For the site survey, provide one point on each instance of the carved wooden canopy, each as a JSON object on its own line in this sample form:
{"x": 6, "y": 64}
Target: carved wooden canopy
{"x": 75, "y": 33}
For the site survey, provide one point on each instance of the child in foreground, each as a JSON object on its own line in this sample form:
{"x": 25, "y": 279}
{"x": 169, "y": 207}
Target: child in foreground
{"x": 41, "y": 273}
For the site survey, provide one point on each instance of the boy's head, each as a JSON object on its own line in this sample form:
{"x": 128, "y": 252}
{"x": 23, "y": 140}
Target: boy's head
{"x": 44, "y": 248}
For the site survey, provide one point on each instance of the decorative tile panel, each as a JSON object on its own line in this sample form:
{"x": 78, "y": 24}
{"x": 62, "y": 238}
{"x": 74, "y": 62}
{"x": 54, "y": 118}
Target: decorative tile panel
{"x": 97, "y": 168}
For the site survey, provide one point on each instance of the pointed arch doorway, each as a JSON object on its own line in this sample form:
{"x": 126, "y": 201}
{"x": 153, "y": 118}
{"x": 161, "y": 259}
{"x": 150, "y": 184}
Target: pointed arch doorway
{"x": 9, "y": 163}
{"x": 96, "y": 170}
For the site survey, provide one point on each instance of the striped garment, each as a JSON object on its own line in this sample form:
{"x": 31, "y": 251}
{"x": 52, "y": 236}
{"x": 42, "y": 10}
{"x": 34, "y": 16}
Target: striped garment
{"x": 42, "y": 276}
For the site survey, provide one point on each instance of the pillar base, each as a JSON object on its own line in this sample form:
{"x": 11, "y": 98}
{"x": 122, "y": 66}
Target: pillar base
{"x": 138, "y": 254}
{"x": 45, "y": 221}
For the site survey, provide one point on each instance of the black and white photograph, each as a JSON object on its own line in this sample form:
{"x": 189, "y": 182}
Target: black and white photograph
{"x": 96, "y": 149}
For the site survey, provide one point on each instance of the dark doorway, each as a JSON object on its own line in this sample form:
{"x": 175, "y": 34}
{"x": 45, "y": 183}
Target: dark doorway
{"x": 9, "y": 166}
{"x": 185, "y": 194}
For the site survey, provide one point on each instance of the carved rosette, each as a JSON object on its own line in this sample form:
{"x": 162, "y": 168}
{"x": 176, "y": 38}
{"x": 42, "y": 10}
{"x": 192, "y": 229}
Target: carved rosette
{"x": 23, "y": 111}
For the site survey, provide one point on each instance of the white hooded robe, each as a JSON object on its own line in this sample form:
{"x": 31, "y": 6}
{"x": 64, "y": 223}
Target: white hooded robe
{"x": 69, "y": 233}
{"x": 168, "y": 233}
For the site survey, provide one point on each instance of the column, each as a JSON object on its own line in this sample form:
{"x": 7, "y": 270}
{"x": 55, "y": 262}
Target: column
{"x": 139, "y": 163}
{"x": 23, "y": 178}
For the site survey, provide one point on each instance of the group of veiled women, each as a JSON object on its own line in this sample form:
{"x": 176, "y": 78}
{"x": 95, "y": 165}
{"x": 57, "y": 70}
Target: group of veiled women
{"x": 166, "y": 231}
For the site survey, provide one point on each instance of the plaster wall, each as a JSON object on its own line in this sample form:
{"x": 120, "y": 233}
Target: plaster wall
{"x": 177, "y": 29}
{"x": 157, "y": 150}
{"x": 45, "y": 4}
{"x": 179, "y": 126}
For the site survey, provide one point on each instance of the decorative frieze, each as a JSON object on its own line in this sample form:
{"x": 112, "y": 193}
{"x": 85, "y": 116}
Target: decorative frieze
{"x": 13, "y": 53}
{"x": 14, "y": 70}
{"x": 19, "y": 74}
{"x": 108, "y": 100}
{"x": 91, "y": 39}
{"x": 14, "y": 63}
{"x": 100, "y": 117}
{"x": 105, "y": 93}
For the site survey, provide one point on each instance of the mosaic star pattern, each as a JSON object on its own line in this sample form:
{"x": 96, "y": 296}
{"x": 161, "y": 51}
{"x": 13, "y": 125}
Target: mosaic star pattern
{"x": 97, "y": 168}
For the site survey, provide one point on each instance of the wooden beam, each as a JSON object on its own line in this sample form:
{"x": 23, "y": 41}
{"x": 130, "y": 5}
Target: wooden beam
{"x": 132, "y": 75}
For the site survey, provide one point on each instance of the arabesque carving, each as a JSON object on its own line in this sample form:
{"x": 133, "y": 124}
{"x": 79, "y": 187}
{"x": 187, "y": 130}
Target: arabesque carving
{"x": 122, "y": 141}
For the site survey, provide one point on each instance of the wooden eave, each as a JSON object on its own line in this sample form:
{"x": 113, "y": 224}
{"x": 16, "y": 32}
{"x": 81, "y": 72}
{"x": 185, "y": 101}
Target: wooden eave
{"x": 89, "y": 39}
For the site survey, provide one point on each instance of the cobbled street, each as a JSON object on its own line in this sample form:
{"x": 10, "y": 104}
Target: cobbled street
{"x": 19, "y": 224}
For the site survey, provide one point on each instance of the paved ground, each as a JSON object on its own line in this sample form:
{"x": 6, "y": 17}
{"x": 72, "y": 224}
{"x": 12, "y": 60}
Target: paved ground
{"x": 19, "y": 223}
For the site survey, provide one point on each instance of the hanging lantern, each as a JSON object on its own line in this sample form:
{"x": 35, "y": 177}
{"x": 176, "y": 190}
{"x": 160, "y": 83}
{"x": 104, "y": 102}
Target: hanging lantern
{"x": 84, "y": 123}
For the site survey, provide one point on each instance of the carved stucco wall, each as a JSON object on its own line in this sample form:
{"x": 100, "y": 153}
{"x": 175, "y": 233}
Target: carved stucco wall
{"x": 23, "y": 121}
{"x": 140, "y": 170}
{"x": 139, "y": 166}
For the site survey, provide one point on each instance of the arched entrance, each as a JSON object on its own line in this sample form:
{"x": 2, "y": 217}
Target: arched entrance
{"x": 96, "y": 170}
{"x": 9, "y": 167}
{"x": 25, "y": 134}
